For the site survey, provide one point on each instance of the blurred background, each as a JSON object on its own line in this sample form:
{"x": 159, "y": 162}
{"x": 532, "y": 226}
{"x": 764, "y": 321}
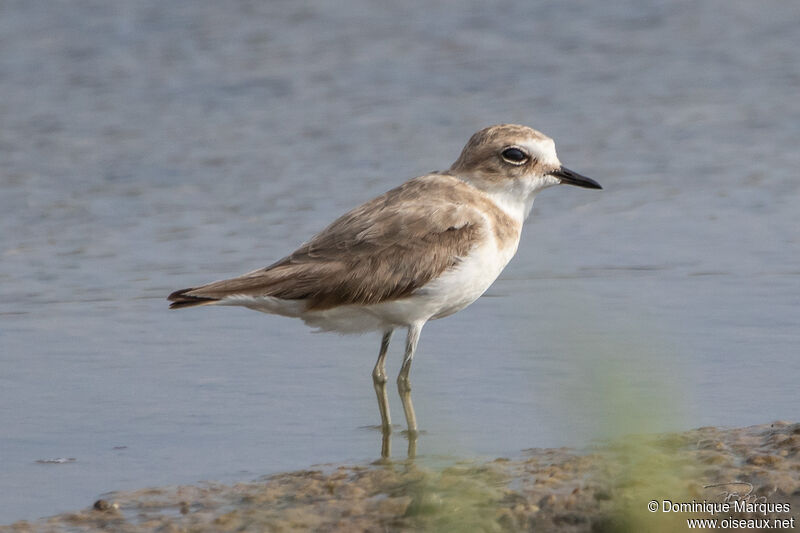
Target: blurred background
{"x": 150, "y": 146}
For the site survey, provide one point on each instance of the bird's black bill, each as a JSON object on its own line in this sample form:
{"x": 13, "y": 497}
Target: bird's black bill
{"x": 573, "y": 178}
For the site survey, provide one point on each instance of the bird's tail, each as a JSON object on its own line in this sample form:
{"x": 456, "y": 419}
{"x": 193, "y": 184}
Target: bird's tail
{"x": 182, "y": 298}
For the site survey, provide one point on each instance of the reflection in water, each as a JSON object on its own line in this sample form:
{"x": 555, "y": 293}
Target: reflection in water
{"x": 386, "y": 444}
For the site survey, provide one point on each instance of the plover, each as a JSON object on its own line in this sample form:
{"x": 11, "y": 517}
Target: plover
{"x": 419, "y": 252}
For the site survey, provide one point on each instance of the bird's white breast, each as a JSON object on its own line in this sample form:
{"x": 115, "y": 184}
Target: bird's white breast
{"x": 462, "y": 285}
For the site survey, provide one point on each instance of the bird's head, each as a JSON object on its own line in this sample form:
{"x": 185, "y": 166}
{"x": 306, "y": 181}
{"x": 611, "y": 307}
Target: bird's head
{"x": 516, "y": 159}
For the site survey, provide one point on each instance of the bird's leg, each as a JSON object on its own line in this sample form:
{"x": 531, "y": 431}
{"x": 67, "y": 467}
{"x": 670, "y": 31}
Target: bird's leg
{"x": 403, "y": 384}
{"x": 379, "y": 381}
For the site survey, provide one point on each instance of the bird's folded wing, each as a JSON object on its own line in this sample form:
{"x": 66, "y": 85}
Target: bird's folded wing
{"x": 382, "y": 250}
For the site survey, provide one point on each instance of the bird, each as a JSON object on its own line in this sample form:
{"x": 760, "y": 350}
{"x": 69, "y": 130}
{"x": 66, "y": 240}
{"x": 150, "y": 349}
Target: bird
{"x": 419, "y": 252}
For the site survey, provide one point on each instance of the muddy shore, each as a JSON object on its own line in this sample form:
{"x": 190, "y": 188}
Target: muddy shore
{"x": 605, "y": 488}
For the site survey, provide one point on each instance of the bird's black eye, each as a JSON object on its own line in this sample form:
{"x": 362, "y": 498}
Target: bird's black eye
{"x": 515, "y": 156}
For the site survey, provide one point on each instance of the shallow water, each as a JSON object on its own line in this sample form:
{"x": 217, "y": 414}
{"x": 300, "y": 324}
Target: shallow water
{"x": 153, "y": 146}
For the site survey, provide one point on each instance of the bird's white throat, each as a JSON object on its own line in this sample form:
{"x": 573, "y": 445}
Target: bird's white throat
{"x": 516, "y": 198}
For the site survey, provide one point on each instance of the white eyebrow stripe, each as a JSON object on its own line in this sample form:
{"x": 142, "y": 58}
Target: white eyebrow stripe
{"x": 543, "y": 150}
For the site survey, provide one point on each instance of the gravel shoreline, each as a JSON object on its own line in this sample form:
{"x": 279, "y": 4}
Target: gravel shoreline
{"x": 606, "y": 489}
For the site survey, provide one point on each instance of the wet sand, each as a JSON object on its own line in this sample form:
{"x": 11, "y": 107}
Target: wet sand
{"x": 604, "y": 488}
